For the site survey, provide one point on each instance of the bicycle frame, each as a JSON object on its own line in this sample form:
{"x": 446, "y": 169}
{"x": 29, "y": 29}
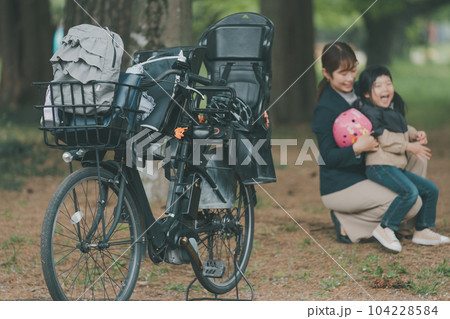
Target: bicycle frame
{"x": 172, "y": 231}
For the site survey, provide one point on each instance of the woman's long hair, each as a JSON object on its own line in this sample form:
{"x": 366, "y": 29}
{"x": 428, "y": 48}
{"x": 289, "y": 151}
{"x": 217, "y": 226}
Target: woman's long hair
{"x": 335, "y": 55}
{"x": 368, "y": 77}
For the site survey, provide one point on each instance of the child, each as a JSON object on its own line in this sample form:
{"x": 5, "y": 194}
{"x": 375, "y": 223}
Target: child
{"x": 386, "y": 110}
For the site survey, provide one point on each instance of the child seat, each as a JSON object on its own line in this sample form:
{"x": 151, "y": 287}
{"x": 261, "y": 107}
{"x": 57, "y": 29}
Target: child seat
{"x": 238, "y": 55}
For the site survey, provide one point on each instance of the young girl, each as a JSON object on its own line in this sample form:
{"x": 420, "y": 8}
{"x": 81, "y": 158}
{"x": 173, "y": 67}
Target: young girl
{"x": 386, "y": 166}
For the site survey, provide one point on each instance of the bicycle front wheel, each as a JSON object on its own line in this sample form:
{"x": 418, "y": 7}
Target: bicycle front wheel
{"x": 77, "y": 263}
{"x": 225, "y": 251}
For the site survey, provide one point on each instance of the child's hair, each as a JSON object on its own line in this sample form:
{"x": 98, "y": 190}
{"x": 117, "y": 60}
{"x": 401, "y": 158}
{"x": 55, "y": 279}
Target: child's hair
{"x": 333, "y": 56}
{"x": 368, "y": 77}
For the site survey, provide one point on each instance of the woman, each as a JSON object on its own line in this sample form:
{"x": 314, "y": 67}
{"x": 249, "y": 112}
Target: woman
{"x": 357, "y": 204}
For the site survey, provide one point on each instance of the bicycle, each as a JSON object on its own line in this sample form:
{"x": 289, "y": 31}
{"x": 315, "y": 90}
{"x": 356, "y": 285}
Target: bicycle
{"x": 99, "y": 225}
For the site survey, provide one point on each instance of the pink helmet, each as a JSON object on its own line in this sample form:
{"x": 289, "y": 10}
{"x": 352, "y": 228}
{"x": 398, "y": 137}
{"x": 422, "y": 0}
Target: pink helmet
{"x": 349, "y": 125}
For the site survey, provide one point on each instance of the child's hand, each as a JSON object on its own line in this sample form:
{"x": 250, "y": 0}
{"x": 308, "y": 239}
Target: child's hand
{"x": 422, "y": 152}
{"x": 421, "y": 137}
{"x": 365, "y": 143}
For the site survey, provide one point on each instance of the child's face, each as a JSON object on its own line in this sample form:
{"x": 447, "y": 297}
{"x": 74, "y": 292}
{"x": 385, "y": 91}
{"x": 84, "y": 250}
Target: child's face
{"x": 382, "y": 92}
{"x": 342, "y": 79}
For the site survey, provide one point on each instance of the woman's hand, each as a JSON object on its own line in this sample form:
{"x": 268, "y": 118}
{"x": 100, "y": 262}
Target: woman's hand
{"x": 419, "y": 150}
{"x": 365, "y": 143}
{"x": 421, "y": 137}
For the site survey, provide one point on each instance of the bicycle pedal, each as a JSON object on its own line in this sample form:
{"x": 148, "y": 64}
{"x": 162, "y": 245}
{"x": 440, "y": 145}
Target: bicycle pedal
{"x": 156, "y": 255}
{"x": 214, "y": 268}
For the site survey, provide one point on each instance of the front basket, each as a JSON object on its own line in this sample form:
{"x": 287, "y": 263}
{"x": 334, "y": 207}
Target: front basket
{"x": 72, "y": 119}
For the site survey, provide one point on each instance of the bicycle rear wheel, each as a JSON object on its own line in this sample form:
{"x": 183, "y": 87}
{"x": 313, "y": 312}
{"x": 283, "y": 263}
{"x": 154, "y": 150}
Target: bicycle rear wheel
{"x": 79, "y": 269}
{"x": 225, "y": 252}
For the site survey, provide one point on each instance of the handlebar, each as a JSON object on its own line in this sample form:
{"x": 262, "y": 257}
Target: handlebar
{"x": 146, "y": 82}
{"x": 196, "y": 78}
{"x": 200, "y": 79}
{"x": 206, "y": 89}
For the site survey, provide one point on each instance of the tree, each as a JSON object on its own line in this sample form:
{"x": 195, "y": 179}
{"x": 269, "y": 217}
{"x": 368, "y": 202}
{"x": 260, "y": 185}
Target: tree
{"x": 114, "y": 14}
{"x": 386, "y": 24}
{"x": 294, "y": 80}
{"x": 25, "y": 48}
{"x": 142, "y": 24}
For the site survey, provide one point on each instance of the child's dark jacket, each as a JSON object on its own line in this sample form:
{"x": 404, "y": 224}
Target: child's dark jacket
{"x": 392, "y": 132}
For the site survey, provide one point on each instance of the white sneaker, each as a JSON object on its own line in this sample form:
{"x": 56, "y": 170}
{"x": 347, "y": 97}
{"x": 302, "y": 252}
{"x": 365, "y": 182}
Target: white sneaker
{"x": 387, "y": 238}
{"x": 429, "y": 238}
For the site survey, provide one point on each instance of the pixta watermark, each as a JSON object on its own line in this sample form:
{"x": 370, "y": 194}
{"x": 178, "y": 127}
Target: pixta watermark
{"x": 149, "y": 150}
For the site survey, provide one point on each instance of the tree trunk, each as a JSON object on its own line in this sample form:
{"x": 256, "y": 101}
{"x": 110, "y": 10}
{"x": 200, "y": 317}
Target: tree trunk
{"x": 294, "y": 86}
{"x": 114, "y": 14}
{"x": 179, "y": 29}
{"x": 25, "y": 48}
{"x": 383, "y": 35}
{"x": 160, "y": 24}
{"x": 142, "y": 24}
{"x": 386, "y": 25}
{"x": 149, "y": 17}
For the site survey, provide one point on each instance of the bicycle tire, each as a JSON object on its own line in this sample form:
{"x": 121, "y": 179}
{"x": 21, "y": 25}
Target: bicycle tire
{"x": 88, "y": 272}
{"x": 232, "y": 246}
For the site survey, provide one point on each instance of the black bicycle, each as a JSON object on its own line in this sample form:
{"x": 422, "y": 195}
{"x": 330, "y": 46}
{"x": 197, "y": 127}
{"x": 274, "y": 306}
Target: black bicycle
{"x": 99, "y": 224}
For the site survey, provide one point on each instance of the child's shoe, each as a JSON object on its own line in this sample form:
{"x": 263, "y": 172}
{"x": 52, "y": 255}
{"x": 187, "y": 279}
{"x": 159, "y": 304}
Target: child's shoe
{"x": 429, "y": 238}
{"x": 387, "y": 238}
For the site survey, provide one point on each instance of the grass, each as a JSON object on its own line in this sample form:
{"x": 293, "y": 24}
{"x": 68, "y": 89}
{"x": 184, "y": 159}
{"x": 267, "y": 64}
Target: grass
{"x": 336, "y": 279}
{"x": 11, "y": 249}
{"x": 288, "y": 227}
{"x": 304, "y": 275}
{"x": 305, "y": 243}
{"x": 395, "y": 270}
{"x": 427, "y": 281}
{"x": 262, "y": 202}
{"x": 153, "y": 273}
{"x": 443, "y": 269}
{"x": 6, "y": 214}
{"x": 175, "y": 287}
{"x": 23, "y": 154}
{"x": 378, "y": 272}
{"x": 371, "y": 265}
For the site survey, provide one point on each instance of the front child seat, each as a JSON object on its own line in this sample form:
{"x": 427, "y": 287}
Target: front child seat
{"x": 238, "y": 55}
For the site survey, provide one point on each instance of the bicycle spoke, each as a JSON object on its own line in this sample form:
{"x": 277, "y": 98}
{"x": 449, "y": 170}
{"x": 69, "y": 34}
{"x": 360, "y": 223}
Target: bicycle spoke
{"x": 92, "y": 269}
{"x": 229, "y": 244}
{"x": 64, "y": 257}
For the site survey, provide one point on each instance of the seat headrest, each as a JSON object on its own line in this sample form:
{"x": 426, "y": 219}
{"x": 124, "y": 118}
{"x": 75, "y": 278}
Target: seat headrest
{"x": 241, "y": 36}
{"x": 236, "y": 42}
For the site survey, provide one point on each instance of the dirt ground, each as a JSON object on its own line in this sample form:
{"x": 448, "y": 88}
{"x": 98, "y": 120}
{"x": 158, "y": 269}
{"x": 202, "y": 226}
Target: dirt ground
{"x": 295, "y": 255}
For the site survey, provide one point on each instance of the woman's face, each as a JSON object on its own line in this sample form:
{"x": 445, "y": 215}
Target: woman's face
{"x": 342, "y": 79}
{"x": 382, "y": 92}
